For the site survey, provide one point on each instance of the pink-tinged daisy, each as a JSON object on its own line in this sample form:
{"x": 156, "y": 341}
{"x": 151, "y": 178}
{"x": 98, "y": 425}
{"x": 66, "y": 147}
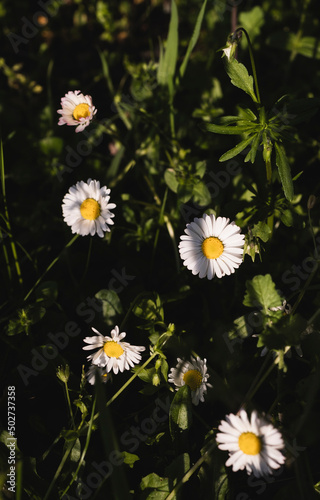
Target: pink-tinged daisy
{"x": 212, "y": 247}
{"x": 192, "y": 373}
{"x": 252, "y": 444}
{"x": 86, "y": 208}
{"x": 77, "y": 109}
{"x": 113, "y": 353}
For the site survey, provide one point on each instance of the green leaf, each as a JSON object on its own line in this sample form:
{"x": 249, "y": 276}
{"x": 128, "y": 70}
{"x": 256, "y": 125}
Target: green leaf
{"x": 51, "y": 146}
{"x": 307, "y": 46}
{"x": 251, "y": 21}
{"x": 167, "y": 63}
{"x": 287, "y": 331}
{"x": 156, "y": 482}
{"x": 193, "y": 39}
{"x": 111, "y": 305}
{"x": 201, "y": 194}
{"x": 171, "y": 180}
{"x": 178, "y": 468}
{"x": 47, "y": 293}
{"x": 284, "y": 171}
{"x": 251, "y": 156}
{"x": 262, "y": 231}
{"x": 76, "y": 451}
{"x": 237, "y": 149}
{"x": 149, "y": 310}
{"x": 180, "y": 413}
{"x": 230, "y": 130}
{"x": 261, "y": 291}
{"x": 129, "y": 458}
{"x": 240, "y": 77}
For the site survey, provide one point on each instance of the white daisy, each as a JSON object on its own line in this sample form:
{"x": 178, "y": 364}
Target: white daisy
{"x": 77, "y": 109}
{"x": 86, "y": 209}
{"x": 102, "y": 372}
{"x": 113, "y": 354}
{"x": 254, "y": 445}
{"x": 192, "y": 373}
{"x": 211, "y": 246}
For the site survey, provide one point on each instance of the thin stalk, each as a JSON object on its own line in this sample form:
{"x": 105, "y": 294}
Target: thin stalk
{"x": 50, "y": 266}
{"x": 87, "y": 262}
{"x": 69, "y": 403}
{"x": 252, "y": 390}
{"x": 85, "y": 449}
{"x": 6, "y": 213}
{"x": 253, "y": 65}
{"x": 190, "y": 472}
{"x": 59, "y": 469}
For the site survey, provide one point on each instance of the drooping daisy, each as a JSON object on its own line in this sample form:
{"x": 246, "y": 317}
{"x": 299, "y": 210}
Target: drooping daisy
{"x": 77, "y": 109}
{"x": 192, "y": 373}
{"x": 252, "y": 444}
{"x": 211, "y": 246}
{"x": 97, "y": 370}
{"x": 113, "y": 354}
{"x": 86, "y": 209}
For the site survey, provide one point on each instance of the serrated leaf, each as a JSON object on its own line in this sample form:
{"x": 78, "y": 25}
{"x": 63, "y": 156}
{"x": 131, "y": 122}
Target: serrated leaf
{"x": 180, "y": 414}
{"x": 240, "y": 77}
{"x": 237, "y": 149}
{"x": 284, "y": 171}
{"x": 261, "y": 292}
{"x": 193, "y": 39}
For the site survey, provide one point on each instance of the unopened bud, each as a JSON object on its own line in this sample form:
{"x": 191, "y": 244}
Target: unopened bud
{"x": 311, "y": 201}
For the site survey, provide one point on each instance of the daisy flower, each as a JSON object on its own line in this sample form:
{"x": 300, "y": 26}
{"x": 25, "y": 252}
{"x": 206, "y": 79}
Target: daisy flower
{"x": 252, "y": 444}
{"x": 77, "y": 110}
{"x": 112, "y": 353}
{"x": 211, "y": 246}
{"x": 86, "y": 209}
{"x": 102, "y": 372}
{"x": 192, "y": 373}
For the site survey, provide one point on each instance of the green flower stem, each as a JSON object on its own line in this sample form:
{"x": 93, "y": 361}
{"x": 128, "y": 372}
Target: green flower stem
{"x": 252, "y": 63}
{"x": 85, "y": 449}
{"x": 50, "y": 266}
{"x": 60, "y": 467}
{"x": 190, "y": 472}
{"x": 69, "y": 403}
{"x": 131, "y": 379}
{"x": 7, "y": 220}
{"x": 258, "y": 381}
{"x": 303, "y": 291}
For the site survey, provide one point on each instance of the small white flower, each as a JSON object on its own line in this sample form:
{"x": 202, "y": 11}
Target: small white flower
{"x": 102, "y": 372}
{"x": 77, "y": 109}
{"x": 252, "y": 444}
{"x": 227, "y": 51}
{"x": 212, "y": 246}
{"x": 192, "y": 373}
{"x": 113, "y": 354}
{"x": 86, "y": 209}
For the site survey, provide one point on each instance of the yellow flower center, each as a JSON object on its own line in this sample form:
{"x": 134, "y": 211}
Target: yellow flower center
{"x": 250, "y": 443}
{"x": 90, "y": 209}
{"x": 193, "y": 379}
{"x": 113, "y": 349}
{"x": 212, "y": 247}
{"x": 81, "y": 111}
